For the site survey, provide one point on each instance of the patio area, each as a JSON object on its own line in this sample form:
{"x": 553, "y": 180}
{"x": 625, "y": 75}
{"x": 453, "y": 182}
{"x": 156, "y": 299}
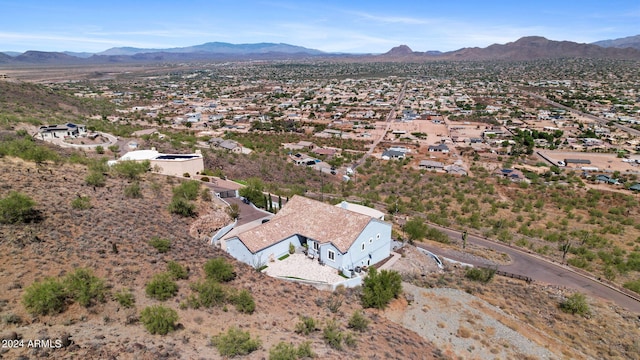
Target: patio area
{"x": 299, "y": 266}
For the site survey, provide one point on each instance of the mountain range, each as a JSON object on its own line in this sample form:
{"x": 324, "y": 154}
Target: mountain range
{"x": 526, "y": 48}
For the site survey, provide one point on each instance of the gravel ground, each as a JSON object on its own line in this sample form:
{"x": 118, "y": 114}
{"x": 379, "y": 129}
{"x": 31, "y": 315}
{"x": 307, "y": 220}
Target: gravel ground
{"x": 300, "y": 266}
{"x": 465, "y": 326}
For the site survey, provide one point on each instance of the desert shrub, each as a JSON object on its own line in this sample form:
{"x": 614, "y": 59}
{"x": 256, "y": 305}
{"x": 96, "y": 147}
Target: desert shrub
{"x": 45, "y": 297}
{"x": 188, "y": 190}
{"x": 304, "y": 350}
{"x": 205, "y": 195}
{"x": 210, "y": 293}
{"x": 483, "y": 275}
{"x": 161, "y": 287}
{"x": 378, "y": 289}
{"x": 11, "y": 318}
{"x": 358, "y": 321}
{"x": 16, "y": 207}
{"x": 633, "y": 285}
{"x": 204, "y": 179}
{"x": 84, "y": 287}
{"x": 100, "y": 149}
{"x": 130, "y": 169}
{"x": 334, "y": 303}
{"x": 162, "y": 245}
{"x": 177, "y": 271}
{"x": 133, "y": 191}
{"x": 332, "y": 335}
{"x": 306, "y": 326}
{"x": 96, "y": 178}
{"x": 283, "y": 351}
{"x": 292, "y": 248}
{"x": 350, "y": 340}
{"x": 125, "y": 298}
{"x": 235, "y": 342}
{"x": 159, "y": 319}
{"x": 81, "y": 203}
{"x": 575, "y": 304}
{"x": 288, "y": 351}
{"x": 233, "y": 211}
{"x": 182, "y": 207}
{"x": 244, "y": 302}
{"x": 219, "y": 269}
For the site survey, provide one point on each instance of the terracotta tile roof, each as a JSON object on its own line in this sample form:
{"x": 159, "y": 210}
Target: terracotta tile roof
{"x": 310, "y": 218}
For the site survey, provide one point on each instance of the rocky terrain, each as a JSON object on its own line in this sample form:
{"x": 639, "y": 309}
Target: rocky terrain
{"x": 69, "y": 238}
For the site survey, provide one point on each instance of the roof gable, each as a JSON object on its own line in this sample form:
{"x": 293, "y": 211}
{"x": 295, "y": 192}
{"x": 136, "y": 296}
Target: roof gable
{"x": 309, "y": 218}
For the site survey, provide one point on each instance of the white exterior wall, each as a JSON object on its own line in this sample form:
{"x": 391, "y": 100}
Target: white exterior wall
{"x": 238, "y": 250}
{"x": 179, "y": 167}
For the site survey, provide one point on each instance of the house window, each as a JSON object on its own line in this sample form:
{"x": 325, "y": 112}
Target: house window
{"x": 331, "y": 255}
{"x": 378, "y": 237}
{"x": 316, "y": 246}
{"x": 370, "y": 240}
{"x": 362, "y": 247}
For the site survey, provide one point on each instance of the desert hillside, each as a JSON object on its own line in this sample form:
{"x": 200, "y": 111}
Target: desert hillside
{"x": 111, "y": 238}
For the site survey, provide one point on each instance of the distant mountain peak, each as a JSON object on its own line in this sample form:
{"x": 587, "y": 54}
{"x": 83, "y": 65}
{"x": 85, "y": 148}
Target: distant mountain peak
{"x": 402, "y": 50}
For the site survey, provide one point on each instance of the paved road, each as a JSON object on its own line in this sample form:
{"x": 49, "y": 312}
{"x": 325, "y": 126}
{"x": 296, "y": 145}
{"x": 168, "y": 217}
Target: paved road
{"x": 390, "y": 117}
{"x": 538, "y": 269}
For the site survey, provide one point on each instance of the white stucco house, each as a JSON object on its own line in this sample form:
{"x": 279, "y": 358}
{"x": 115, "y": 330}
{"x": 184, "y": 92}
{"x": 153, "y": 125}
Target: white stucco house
{"x": 61, "y": 131}
{"x": 167, "y": 164}
{"x": 335, "y": 236}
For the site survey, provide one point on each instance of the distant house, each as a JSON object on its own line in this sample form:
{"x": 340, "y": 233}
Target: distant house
{"x": 431, "y": 165}
{"x": 167, "y": 164}
{"x": 511, "y": 174}
{"x": 455, "y": 170}
{"x": 392, "y": 154}
{"x": 61, "y": 131}
{"x": 300, "y": 145}
{"x": 230, "y": 146}
{"x": 336, "y": 237}
{"x": 577, "y": 161}
{"x": 441, "y": 148}
{"x": 607, "y": 180}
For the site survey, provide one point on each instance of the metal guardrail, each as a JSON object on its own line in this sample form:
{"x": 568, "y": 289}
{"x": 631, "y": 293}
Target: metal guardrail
{"x": 509, "y": 275}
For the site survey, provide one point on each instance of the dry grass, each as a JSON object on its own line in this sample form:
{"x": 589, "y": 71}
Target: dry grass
{"x": 69, "y": 238}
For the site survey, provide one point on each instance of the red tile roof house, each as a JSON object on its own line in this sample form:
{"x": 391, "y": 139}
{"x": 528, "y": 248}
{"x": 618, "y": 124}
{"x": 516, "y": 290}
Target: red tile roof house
{"x": 336, "y": 237}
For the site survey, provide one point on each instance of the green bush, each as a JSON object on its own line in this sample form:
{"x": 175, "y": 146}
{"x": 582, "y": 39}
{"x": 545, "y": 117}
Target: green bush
{"x": 161, "y": 287}
{"x": 81, "y": 203}
{"x": 283, "y": 351}
{"x": 244, "y": 302}
{"x": 182, "y": 207}
{"x": 633, "y": 285}
{"x": 85, "y": 288}
{"x": 177, "y": 271}
{"x": 133, "y": 191}
{"x": 378, "y": 289}
{"x": 100, "y": 149}
{"x": 288, "y": 351}
{"x": 358, "y": 321}
{"x": 188, "y": 190}
{"x": 45, "y": 297}
{"x": 162, "y": 245}
{"x": 130, "y": 169}
{"x": 159, "y": 319}
{"x": 125, "y": 298}
{"x": 332, "y": 335}
{"x": 306, "y": 326}
{"x": 235, "y": 342}
{"x": 219, "y": 269}
{"x": 16, "y": 207}
{"x": 483, "y": 275}
{"x": 204, "y": 179}
{"x": 96, "y": 178}
{"x": 575, "y": 304}
{"x": 210, "y": 293}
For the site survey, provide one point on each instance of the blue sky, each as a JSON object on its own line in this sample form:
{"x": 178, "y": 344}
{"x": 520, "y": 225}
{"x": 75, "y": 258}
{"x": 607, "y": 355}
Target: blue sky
{"x": 356, "y": 26}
